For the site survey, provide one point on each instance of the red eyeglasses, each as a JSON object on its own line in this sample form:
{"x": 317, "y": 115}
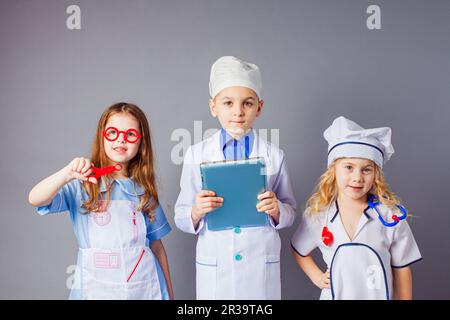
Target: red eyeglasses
{"x": 112, "y": 134}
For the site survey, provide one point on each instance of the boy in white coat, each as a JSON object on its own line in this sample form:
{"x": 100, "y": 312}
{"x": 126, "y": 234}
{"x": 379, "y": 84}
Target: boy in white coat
{"x": 239, "y": 263}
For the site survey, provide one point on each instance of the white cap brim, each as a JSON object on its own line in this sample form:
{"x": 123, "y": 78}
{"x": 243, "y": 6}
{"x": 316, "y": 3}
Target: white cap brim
{"x": 356, "y": 150}
{"x": 213, "y": 91}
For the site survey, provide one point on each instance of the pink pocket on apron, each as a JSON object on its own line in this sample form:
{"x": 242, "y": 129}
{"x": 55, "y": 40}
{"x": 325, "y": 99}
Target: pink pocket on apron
{"x": 107, "y": 260}
{"x": 102, "y": 218}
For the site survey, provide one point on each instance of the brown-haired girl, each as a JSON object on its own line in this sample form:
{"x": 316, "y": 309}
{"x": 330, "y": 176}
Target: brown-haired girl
{"x": 113, "y": 203}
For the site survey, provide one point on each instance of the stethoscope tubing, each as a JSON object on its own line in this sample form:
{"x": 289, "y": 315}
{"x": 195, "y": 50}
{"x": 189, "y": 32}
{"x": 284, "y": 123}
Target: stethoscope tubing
{"x": 373, "y": 205}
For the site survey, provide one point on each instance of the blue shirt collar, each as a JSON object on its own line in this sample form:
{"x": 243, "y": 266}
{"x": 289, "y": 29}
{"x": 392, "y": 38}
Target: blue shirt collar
{"x": 228, "y": 145}
{"x": 225, "y": 138}
{"x": 126, "y": 185}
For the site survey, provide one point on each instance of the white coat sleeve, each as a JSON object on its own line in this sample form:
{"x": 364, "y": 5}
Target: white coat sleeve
{"x": 404, "y": 249}
{"x": 285, "y": 195}
{"x": 190, "y": 184}
{"x": 305, "y": 238}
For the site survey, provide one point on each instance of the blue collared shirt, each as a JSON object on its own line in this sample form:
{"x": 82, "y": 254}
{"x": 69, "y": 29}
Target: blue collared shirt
{"x": 236, "y": 149}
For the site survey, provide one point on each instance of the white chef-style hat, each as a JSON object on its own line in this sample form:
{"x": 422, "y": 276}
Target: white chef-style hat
{"x": 229, "y": 71}
{"x": 348, "y": 139}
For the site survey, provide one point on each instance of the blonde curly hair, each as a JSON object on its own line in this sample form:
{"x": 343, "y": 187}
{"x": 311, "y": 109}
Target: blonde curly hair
{"x": 326, "y": 190}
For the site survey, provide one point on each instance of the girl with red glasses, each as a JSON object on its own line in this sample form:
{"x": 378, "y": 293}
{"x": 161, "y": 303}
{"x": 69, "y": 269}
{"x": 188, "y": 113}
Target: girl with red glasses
{"x": 115, "y": 211}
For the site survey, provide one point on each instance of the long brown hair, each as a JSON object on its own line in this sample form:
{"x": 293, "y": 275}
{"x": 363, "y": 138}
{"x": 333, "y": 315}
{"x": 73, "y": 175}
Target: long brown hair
{"x": 140, "y": 167}
{"x": 326, "y": 190}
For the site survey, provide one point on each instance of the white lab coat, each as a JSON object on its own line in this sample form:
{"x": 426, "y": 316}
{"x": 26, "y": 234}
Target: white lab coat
{"x": 241, "y": 263}
{"x": 362, "y": 268}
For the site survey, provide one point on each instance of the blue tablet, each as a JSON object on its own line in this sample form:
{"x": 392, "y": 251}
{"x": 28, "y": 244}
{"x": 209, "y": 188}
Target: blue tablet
{"x": 239, "y": 183}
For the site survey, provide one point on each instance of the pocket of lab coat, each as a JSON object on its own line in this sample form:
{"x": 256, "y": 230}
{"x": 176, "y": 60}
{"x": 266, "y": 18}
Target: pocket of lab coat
{"x": 272, "y": 277}
{"x": 206, "y": 280}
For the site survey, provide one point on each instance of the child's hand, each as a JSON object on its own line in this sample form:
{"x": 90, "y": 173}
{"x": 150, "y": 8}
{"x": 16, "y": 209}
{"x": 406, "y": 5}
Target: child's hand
{"x": 79, "y": 168}
{"x": 323, "y": 281}
{"x": 268, "y": 203}
{"x": 204, "y": 202}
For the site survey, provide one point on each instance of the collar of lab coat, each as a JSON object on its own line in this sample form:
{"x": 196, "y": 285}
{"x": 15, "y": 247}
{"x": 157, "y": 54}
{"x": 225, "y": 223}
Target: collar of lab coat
{"x": 125, "y": 184}
{"x": 259, "y": 149}
{"x": 365, "y": 218}
{"x": 334, "y": 211}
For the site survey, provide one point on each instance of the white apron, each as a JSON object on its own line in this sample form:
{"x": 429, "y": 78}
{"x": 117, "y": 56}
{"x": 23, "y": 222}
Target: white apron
{"x": 366, "y": 274}
{"x": 118, "y": 264}
{"x": 360, "y": 268}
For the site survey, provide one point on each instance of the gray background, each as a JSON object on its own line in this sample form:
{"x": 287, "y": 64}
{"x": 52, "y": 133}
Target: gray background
{"x": 318, "y": 61}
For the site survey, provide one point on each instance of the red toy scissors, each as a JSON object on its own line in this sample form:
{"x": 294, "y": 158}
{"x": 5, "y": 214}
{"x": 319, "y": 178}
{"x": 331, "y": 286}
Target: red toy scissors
{"x": 99, "y": 172}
